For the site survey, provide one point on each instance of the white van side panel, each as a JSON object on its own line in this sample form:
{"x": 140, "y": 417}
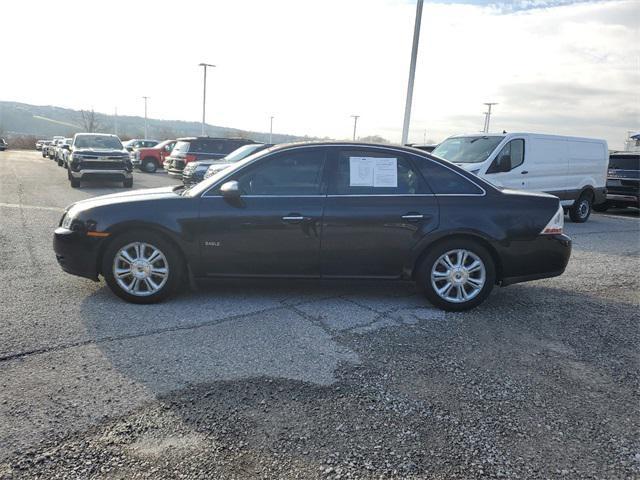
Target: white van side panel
{"x": 546, "y": 160}
{"x": 588, "y": 163}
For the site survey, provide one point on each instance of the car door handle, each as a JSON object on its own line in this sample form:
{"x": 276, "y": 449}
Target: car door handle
{"x": 524, "y": 172}
{"x": 413, "y": 217}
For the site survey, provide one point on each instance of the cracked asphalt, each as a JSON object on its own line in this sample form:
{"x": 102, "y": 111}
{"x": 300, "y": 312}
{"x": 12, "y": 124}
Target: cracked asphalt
{"x": 277, "y": 379}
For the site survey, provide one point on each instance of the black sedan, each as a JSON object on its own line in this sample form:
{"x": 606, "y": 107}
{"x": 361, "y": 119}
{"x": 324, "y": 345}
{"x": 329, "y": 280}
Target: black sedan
{"x": 320, "y": 210}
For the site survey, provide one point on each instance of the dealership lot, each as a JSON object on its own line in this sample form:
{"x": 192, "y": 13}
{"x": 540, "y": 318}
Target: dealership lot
{"x": 332, "y": 379}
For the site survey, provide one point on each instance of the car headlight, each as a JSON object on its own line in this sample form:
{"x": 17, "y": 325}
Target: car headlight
{"x": 66, "y": 221}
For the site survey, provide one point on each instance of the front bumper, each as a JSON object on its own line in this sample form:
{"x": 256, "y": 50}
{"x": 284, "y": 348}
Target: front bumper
{"x": 174, "y": 172}
{"x": 87, "y": 174}
{"x": 546, "y": 256}
{"x": 76, "y": 253}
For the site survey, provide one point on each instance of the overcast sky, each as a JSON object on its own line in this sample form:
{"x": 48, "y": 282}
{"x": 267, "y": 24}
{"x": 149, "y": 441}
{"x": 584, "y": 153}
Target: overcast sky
{"x": 554, "y": 66}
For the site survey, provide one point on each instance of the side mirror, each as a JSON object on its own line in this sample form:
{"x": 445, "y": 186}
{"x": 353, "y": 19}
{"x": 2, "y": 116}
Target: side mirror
{"x": 230, "y": 189}
{"x": 505, "y": 164}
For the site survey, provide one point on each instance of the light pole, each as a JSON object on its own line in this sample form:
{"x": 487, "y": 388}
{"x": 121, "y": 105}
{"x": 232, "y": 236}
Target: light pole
{"x": 271, "y": 129}
{"x": 145, "y": 115}
{"x": 487, "y": 116}
{"x": 412, "y": 73}
{"x": 355, "y": 125}
{"x": 204, "y": 93}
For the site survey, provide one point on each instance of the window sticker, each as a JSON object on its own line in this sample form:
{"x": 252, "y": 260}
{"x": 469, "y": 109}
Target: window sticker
{"x": 373, "y": 172}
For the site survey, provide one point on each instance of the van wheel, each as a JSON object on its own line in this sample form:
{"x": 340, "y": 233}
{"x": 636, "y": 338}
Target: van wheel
{"x": 75, "y": 182}
{"x": 456, "y": 275}
{"x": 149, "y": 165}
{"x": 581, "y": 208}
{"x": 142, "y": 267}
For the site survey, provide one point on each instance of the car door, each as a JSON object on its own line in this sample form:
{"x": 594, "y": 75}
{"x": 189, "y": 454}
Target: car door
{"x": 509, "y": 168}
{"x": 377, "y": 210}
{"x": 273, "y": 228}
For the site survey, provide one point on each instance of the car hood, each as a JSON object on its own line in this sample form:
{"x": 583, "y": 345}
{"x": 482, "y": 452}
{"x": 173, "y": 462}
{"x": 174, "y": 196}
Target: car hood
{"x": 147, "y": 194}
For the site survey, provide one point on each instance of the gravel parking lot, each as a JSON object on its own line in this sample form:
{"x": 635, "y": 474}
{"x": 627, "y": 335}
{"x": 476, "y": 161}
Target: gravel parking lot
{"x": 264, "y": 379}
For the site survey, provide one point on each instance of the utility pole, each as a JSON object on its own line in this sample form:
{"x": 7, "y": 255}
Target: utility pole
{"x": 412, "y": 73}
{"x": 145, "y": 116}
{"x": 487, "y": 116}
{"x": 271, "y": 129}
{"x": 355, "y": 125}
{"x": 424, "y": 137}
{"x": 204, "y": 93}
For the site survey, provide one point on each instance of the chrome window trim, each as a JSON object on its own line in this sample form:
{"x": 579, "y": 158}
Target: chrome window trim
{"x": 381, "y": 147}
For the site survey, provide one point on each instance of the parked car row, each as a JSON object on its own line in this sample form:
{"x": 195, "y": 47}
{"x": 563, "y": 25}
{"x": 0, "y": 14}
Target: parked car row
{"x": 3, "y": 145}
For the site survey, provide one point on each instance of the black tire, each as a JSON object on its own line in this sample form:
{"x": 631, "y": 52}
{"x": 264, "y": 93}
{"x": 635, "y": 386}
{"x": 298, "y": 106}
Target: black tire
{"x": 580, "y": 211}
{"x": 601, "y": 207}
{"x": 127, "y": 183}
{"x": 424, "y": 279}
{"x": 75, "y": 182}
{"x": 172, "y": 261}
{"x": 149, "y": 165}
{"x": 60, "y": 163}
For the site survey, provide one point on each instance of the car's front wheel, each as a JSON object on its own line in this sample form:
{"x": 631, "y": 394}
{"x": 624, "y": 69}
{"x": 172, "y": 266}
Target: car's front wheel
{"x": 457, "y": 275}
{"x": 149, "y": 165}
{"x": 142, "y": 267}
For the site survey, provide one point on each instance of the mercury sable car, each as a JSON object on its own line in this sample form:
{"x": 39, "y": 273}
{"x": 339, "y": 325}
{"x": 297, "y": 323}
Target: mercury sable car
{"x": 320, "y": 210}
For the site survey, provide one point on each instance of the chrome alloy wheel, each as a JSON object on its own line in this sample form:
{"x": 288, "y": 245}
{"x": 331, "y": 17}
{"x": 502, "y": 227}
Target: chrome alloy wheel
{"x": 458, "y": 276}
{"x": 140, "y": 269}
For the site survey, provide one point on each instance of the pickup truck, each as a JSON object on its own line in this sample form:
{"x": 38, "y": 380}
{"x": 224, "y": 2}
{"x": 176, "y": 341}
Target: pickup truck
{"x": 150, "y": 159}
{"x": 98, "y": 156}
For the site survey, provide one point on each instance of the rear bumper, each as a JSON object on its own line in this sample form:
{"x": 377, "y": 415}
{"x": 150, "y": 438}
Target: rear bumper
{"x": 630, "y": 199}
{"x": 545, "y": 257}
{"x": 76, "y": 253}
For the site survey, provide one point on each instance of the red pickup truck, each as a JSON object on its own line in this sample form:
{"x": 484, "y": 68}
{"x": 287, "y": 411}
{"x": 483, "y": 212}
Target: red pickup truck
{"x": 150, "y": 159}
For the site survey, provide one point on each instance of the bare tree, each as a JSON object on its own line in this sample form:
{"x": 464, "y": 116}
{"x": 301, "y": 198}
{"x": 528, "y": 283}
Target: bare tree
{"x": 89, "y": 120}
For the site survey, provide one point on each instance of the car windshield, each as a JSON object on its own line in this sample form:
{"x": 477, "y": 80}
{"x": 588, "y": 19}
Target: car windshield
{"x": 181, "y": 147}
{"x": 624, "y": 162}
{"x": 200, "y": 188}
{"x": 467, "y": 149}
{"x": 98, "y": 141}
{"x": 240, "y": 153}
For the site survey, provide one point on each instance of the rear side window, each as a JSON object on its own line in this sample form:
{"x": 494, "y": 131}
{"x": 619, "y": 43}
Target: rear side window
{"x": 624, "y": 162}
{"x": 445, "y": 181}
{"x": 375, "y": 172}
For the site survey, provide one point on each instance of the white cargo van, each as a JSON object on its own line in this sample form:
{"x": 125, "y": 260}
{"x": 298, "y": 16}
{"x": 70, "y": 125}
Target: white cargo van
{"x": 572, "y": 168}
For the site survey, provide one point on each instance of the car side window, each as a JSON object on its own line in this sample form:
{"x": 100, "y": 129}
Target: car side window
{"x": 445, "y": 181}
{"x": 375, "y": 172}
{"x": 288, "y": 173}
{"x": 511, "y": 156}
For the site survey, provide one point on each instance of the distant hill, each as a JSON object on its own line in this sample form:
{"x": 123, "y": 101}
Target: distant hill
{"x": 46, "y": 121}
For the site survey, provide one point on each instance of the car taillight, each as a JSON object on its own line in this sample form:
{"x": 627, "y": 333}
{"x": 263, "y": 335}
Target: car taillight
{"x": 556, "y": 224}
{"x": 190, "y": 158}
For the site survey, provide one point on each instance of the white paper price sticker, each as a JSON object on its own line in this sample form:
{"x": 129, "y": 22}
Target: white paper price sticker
{"x": 373, "y": 172}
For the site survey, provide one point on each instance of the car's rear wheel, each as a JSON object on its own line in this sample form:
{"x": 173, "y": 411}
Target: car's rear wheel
{"x": 457, "y": 275}
{"x": 75, "y": 182}
{"x": 581, "y": 209}
{"x": 142, "y": 267}
{"x": 149, "y": 165}
{"x": 127, "y": 183}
